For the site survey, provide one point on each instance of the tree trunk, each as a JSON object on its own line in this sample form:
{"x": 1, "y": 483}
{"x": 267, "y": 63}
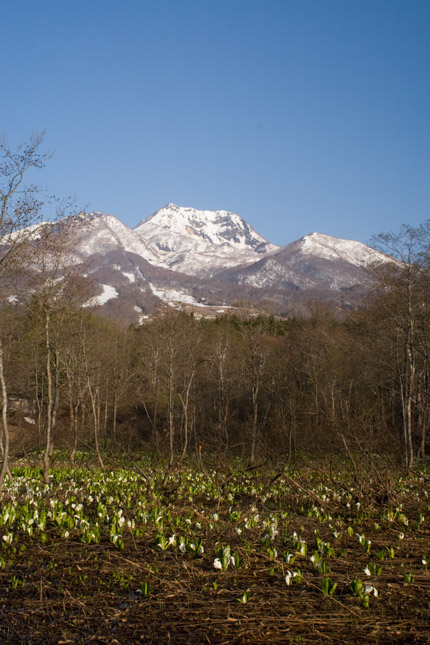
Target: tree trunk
{"x": 50, "y": 403}
{"x": 5, "y": 435}
{"x": 95, "y": 406}
{"x": 171, "y": 412}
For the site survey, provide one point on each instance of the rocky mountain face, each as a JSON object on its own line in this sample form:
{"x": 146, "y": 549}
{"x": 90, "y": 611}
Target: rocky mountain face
{"x": 201, "y": 242}
{"x": 209, "y": 261}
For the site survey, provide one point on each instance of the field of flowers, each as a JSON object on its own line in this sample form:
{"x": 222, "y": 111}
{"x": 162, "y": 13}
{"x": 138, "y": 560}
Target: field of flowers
{"x": 142, "y": 554}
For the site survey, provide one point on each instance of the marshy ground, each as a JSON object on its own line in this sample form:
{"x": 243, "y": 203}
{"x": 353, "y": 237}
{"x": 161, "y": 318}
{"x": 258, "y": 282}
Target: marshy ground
{"x": 143, "y": 555}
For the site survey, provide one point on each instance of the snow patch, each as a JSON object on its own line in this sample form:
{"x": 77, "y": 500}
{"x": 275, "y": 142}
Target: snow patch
{"x": 172, "y": 296}
{"x": 109, "y": 293}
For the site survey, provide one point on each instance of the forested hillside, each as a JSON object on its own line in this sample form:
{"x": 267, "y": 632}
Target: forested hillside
{"x": 254, "y": 386}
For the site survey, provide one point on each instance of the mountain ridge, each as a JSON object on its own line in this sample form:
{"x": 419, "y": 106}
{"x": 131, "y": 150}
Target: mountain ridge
{"x": 208, "y": 260}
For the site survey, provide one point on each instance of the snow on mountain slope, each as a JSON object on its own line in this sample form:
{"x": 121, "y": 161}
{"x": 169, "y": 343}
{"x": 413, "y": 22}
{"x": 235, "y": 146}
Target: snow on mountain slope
{"x": 108, "y": 293}
{"x": 174, "y": 295}
{"x": 333, "y": 248}
{"x": 101, "y": 233}
{"x": 315, "y": 261}
{"x": 197, "y": 242}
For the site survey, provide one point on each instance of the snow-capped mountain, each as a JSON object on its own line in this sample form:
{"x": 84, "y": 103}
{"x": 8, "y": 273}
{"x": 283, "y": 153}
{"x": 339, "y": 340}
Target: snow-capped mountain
{"x": 333, "y": 248}
{"x": 209, "y": 260}
{"x": 101, "y": 233}
{"x": 316, "y": 261}
{"x": 201, "y": 242}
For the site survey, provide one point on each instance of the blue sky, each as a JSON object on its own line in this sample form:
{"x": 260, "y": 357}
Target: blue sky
{"x": 300, "y": 115}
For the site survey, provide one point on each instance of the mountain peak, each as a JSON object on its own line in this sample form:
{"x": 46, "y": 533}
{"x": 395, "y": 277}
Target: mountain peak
{"x": 173, "y": 216}
{"x": 102, "y": 233}
{"x": 190, "y": 236}
{"x": 333, "y": 248}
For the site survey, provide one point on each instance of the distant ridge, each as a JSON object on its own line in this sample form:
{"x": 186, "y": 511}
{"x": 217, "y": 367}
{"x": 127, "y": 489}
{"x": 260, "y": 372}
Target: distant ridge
{"x": 208, "y": 261}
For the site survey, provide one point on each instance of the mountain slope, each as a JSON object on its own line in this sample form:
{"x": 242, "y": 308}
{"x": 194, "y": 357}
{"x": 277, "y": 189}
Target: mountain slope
{"x": 315, "y": 261}
{"x": 101, "y": 233}
{"x": 332, "y": 248}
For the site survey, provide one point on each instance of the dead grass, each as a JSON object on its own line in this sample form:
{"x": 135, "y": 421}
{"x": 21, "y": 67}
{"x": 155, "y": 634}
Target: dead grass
{"x": 70, "y": 592}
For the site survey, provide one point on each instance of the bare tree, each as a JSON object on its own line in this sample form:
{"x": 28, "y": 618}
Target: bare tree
{"x": 20, "y": 212}
{"x": 403, "y": 291}
{"x": 223, "y": 359}
{"x": 58, "y": 291}
{"x": 255, "y": 354}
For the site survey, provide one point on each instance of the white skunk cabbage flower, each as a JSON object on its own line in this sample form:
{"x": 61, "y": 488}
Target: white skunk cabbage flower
{"x": 217, "y": 563}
